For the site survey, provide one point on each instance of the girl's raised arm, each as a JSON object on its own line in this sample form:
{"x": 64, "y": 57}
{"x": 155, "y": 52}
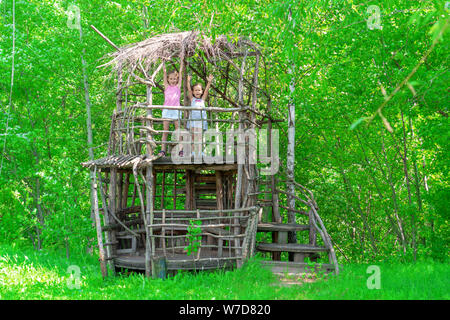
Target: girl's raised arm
{"x": 188, "y": 85}
{"x": 205, "y": 94}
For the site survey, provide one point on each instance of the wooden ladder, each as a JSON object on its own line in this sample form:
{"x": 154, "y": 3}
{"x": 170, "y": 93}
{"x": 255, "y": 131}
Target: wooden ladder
{"x": 297, "y": 252}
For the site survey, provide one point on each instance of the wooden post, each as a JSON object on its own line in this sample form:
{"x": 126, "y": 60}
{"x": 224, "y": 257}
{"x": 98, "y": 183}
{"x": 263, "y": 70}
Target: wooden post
{"x": 219, "y": 189}
{"x": 267, "y": 195}
{"x": 149, "y": 123}
{"x": 219, "y": 200}
{"x": 275, "y": 216}
{"x": 112, "y": 203}
{"x": 238, "y": 194}
{"x": 175, "y": 189}
{"x": 110, "y": 236}
{"x": 88, "y": 108}
{"x": 163, "y": 232}
{"x": 97, "y": 222}
{"x": 163, "y": 185}
{"x": 119, "y": 191}
{"x": 192, "y": 186}
{"x": 200, "y": 247}
{"x": 189, "y": 195}
{"x": 252, "y": 147}
{"x": 312, "y": 229}
{"x": 159, "y": 267}
{"x": 239, "y": 182}
{"x": 119, "y": 88}
{"x": 290, "y": 160}
{"x": 282, "y": 237}
{"x": 135, "y": 186}
{"x": 125, "y": 191}
{"x": 112, "y": 136}
{"x": 186, "y": 101}
{"x": 299, "y": 257}
{"x": 150, "y": 241}
{"x": 231, "y": 189}
{"x": 154, "y": 188}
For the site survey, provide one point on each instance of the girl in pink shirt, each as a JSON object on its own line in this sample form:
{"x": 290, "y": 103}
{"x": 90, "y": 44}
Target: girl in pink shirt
{"x": 172, "y": 93}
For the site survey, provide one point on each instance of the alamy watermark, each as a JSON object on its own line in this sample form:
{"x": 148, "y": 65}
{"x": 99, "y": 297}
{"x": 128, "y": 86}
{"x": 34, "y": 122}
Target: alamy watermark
{"x": 374, "y": 280}
{"x": 215, "y": 147}
{"x": 374, "y": 20}
{"x": 74, "y": 282}
{"x": 73, "y": 17}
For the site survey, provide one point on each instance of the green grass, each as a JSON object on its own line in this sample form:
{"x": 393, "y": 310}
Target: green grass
{"x": 27, "y": 274}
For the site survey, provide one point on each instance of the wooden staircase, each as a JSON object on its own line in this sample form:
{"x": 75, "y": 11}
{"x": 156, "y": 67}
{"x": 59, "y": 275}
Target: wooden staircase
{"x": 297, "y": 253}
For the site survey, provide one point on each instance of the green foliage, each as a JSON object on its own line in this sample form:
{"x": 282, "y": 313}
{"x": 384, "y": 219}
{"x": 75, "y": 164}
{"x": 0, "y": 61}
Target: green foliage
{"x": 28, "y": 274}
{"x": 367, "y": 181}
{"x": 193, "y": 236}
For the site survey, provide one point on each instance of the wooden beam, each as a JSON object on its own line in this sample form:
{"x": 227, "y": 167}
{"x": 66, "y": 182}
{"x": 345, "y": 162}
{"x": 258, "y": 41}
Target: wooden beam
{"x": 103, "y": 268}
{"x": 149, "y": 241}
{"x": 189, "y": 195}
{"x": 112, "y": 201}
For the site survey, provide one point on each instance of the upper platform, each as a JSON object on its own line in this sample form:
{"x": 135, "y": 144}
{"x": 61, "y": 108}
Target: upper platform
{"x": 127, "y": 162}
{"x": 235, "y": 102}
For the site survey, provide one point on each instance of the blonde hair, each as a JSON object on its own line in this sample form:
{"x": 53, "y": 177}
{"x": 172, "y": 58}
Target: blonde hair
{"x": 172, "y": 71}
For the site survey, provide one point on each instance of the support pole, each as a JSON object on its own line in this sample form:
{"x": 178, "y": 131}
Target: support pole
{"x": 112, "y": 203}
{"x": 312, "y": 229}
{"x": 238, "y": 195}
{"x": 267, "y": 195}
{"x": 149, "y": 123}
{"x": 292, "y": 236}
{"x": 276, "y": 217}
{"x": 110, "y": 234}
{"x": 119, "y": 88}
{"x": 150, "y": 241}
{"x": 98, "y": 225}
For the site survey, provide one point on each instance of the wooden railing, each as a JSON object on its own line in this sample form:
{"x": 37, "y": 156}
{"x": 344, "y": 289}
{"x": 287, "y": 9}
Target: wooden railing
{"x": 211, "y": 228}
{"x": 136, "y": 126}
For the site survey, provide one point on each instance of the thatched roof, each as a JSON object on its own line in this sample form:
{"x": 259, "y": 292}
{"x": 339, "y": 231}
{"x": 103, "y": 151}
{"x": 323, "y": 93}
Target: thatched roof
{"x": 170, "y": 45}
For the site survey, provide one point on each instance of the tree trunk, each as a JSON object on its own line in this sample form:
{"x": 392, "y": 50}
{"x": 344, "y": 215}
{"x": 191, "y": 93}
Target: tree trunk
{"x": 418, "y": 195}
{"x": 394, "y": 198}
{"x": 12, "y": 81}
{"x": 89, "y": 129}
{"x": 292, "y": 236}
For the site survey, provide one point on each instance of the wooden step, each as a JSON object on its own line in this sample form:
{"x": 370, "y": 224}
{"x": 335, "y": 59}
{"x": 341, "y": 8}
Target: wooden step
{"x": 290, "y": 267}
{"x": 212, "y": 203}
{"x": 289, "y": 247}
{"x": 206, "y": 186}
{"x": 205, "y": 178}
{"x": 267, "y": 227}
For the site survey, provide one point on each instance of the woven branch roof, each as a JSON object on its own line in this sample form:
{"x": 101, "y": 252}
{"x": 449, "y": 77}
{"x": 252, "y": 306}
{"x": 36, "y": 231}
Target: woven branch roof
{"x": 169, "y": 45}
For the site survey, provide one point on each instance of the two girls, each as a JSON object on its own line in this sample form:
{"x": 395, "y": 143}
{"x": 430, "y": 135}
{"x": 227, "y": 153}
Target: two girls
{"x": 197, "y": 117}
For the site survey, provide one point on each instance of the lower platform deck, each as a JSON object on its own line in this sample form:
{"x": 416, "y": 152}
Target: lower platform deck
{"x": 207, "y": 259}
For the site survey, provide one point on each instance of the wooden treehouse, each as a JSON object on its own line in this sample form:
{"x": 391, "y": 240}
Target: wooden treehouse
{"x": 198, "y": 212}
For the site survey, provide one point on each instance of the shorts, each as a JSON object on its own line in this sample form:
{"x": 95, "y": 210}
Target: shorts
{"x": 171, "y": 114}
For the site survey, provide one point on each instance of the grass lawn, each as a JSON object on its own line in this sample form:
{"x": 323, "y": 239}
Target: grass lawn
{"x": 27, "y": 274}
